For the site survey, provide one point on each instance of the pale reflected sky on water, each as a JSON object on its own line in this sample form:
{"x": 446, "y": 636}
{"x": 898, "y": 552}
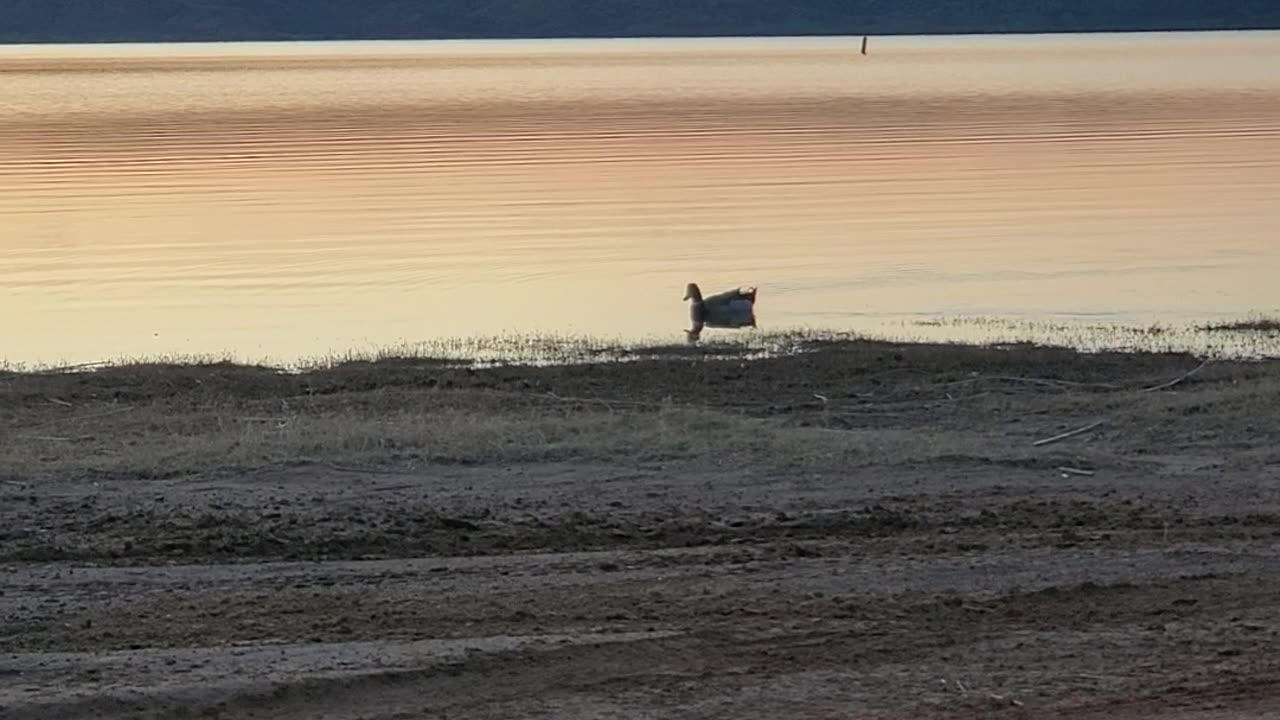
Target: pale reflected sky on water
{"x": 286, "y": 200}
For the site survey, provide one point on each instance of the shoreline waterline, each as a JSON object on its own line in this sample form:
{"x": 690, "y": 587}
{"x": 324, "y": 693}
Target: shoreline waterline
{"x": 1250, "y": 337}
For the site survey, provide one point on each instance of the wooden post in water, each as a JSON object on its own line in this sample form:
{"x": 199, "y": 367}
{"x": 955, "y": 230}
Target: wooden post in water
{"x": 864, "y": 44}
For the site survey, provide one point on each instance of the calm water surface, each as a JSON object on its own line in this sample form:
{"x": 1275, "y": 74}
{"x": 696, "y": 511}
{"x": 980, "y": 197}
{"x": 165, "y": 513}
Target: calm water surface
{"x": 285, "y": 200}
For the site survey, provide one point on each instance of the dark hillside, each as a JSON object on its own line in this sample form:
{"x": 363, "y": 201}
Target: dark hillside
{"x": 199, "y": 20}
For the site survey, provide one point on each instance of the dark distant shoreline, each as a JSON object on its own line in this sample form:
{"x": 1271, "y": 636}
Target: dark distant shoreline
{"x": 91, "y": 21}
{"x": 286, "y": 39}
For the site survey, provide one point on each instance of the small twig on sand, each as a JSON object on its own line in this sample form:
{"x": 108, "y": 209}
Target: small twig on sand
{"x": 608, "y": 404}
{"x": 1075, "y": 471}
{"x": 108, "y": 413}
{"x": 91, "y": 416}
{"x": 823, "y": 398}
{"x": 56, "y": 401}
{"x": 279, "y": 423}
{"x": 1068, "y": 434}
{"x": 1002, "y": 700}
{"x": 68, "y": 369}
{"x": 1047, "y": 382}
{"x": 1175, "y": 381}
{"x": 389, "y": 488}
{"x": 55, "y": 438}
{"x": 370, "y": 470}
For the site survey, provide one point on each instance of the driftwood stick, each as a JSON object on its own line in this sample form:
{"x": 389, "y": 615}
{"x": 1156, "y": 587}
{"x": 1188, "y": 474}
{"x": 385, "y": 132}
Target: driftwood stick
{"x": 1175, "y": 381}
{"x": 1067, "y": 470}
{"x": 1068, "y": 434}
{"x": 371, "y": 470}
{"x": 106, "y": 413}
{"x": 90, "y": 416}
{"x": 67, "y": 369}
{"x": 1047, "y": 382}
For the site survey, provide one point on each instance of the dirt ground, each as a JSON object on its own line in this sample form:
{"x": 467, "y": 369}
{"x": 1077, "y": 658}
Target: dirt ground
{"x": 859, "y": 530}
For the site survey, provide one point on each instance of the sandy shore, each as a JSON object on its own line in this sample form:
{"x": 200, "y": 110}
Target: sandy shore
{"x": 859, "y": 530}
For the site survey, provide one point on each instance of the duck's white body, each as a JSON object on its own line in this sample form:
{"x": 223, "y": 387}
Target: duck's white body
{"x": 729, "y": 309}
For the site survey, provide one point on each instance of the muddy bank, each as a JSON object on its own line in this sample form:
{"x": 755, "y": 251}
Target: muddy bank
{"x": 864, "y": 529}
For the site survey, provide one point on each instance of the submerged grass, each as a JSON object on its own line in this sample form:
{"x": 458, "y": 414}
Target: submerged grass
{"x": 490, "y": 350}
{"x": 1251, "y": 337}
{"x": 563, "y": 349}
{"x": 1246, "y": 338}
{"x": 1252, "y": 324}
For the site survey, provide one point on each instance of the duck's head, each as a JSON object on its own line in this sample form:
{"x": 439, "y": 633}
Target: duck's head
{"x": 691, "y": 292}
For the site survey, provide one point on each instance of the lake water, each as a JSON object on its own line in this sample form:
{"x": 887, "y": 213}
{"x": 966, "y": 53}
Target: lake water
{"x": 297, "y": 199}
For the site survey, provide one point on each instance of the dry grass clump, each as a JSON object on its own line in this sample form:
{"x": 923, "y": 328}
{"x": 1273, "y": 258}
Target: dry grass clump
{"x": 165, "y": 442}
{"x": 836, "y": 404}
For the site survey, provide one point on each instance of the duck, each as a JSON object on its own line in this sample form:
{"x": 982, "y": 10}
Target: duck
{"x": 729, "y": 309}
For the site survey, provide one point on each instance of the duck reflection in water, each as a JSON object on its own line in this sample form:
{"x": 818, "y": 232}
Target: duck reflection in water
{"x": 730, "y": 309}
